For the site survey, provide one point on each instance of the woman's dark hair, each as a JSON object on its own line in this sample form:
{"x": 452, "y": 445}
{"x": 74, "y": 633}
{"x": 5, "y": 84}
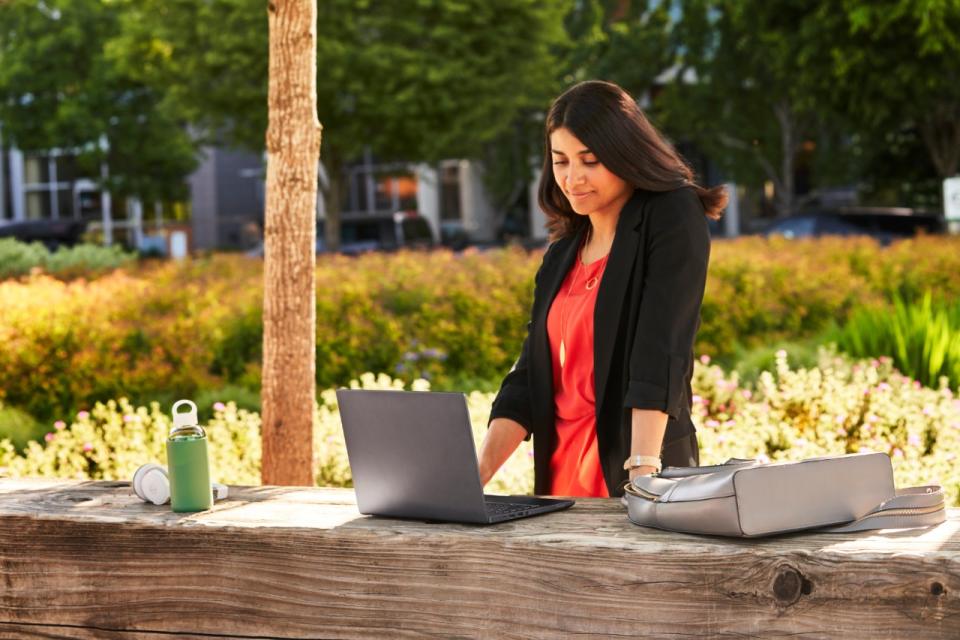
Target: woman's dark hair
{"x": 610, "y": 123}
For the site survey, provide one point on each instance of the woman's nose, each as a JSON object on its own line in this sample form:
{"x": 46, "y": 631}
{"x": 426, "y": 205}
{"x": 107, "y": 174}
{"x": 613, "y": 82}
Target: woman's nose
{"x": 574, "y": 175}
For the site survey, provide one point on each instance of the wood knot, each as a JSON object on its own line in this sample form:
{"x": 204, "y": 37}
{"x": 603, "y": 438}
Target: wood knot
{"x": 789, "y": 585}
{"x": 937, "y": 589}
{"x": 272, "y": 8}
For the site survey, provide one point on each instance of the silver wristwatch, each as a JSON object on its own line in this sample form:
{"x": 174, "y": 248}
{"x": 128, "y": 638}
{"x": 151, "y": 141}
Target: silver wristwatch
{"x": 642, "y": 461}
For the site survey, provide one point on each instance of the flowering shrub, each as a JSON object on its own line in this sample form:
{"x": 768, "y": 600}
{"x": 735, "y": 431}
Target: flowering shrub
{"x": 174, "y": 329}
{"x": 840, "y": 406}
{"x": 837, "y": 407}
{"x": 114, "y": 438}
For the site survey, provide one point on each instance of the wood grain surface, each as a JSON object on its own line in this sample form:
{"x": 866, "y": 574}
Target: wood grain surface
{"x": 89, "y": 560}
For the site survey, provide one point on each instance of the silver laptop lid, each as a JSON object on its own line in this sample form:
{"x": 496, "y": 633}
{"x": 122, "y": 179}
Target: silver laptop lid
{"x": 412, "y": 454}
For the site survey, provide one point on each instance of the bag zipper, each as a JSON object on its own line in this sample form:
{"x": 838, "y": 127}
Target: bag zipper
{"x": 637, "y": 491}
{"x": 905, "y": 511}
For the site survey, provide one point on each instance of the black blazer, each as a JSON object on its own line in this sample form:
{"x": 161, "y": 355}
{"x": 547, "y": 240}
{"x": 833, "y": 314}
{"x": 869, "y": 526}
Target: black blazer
{"x": 645, "y": 321}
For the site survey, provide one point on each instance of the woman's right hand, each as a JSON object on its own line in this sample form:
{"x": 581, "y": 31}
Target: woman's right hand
{"x": 502, "y": 439}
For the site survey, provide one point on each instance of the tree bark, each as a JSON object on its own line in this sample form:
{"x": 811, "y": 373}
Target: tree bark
{"x": 788, "y": 150}
{"x": 940, "y": 131}
{"x": 289, "y": 302}
{"x": 333, "y": 201}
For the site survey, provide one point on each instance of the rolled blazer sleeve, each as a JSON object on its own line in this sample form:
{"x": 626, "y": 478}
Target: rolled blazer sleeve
{"x": 514, "y": 400}
{"x": 677, "y": 253}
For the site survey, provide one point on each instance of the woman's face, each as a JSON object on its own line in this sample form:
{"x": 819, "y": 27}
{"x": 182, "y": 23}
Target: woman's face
{"x": 590, "y": 187}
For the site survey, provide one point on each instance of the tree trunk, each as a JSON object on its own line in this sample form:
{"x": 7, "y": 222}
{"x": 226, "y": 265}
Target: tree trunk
{"x": 333, "y": 201}
{"x": 289, "y": 299}
{"x": 788, "y": 150}
{"x": 940, "y": 130}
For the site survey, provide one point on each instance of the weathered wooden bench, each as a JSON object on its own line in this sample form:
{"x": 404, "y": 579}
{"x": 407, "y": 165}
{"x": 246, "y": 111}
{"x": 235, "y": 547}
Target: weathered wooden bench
{"x": 89, "y": 560}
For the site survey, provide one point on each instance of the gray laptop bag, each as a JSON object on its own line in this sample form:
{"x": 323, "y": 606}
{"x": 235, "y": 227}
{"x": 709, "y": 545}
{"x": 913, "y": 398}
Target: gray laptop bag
{"x": 746, "y": 498}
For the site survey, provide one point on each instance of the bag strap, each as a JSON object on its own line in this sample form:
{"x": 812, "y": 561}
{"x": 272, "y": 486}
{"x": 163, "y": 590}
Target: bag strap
{"x": 911, "y": 507}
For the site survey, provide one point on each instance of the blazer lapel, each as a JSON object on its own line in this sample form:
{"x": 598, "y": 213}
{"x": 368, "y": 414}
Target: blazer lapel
{"x": 613, "y": 291}
{"x": 553, "y": 275}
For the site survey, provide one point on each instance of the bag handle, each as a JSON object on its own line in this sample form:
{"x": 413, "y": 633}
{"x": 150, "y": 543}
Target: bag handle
{"x": 910, "y": 507}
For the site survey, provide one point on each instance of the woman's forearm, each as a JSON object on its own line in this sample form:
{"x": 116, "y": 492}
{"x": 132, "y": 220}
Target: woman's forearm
{"x": 502, "y": 439}
{"x": 646, "y": 439}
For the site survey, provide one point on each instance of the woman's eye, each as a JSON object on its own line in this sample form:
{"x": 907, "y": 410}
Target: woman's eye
{"x": 559, "y": 163}
{"x": 591, "y": 162}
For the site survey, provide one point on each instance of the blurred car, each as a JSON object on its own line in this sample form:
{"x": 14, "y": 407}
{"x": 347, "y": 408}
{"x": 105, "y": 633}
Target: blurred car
{"x": 881, "y": 223}
{"x": 380, "y": 232}
{"x": 400, "y": 230}
{"x": 52, "y": 233}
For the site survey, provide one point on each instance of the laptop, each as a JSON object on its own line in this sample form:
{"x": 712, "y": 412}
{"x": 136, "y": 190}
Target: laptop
{"x": 412, "y": 455}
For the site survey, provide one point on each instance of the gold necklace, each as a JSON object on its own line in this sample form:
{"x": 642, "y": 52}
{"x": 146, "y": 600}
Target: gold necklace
{"x": 565, "y": 312}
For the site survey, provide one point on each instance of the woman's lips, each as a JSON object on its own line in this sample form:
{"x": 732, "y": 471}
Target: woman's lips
{"x": 580, "y": 195}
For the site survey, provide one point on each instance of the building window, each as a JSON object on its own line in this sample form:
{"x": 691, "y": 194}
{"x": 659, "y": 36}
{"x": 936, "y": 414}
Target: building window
{"x": 379, "y": 187}
{"x": 48, "y": 185}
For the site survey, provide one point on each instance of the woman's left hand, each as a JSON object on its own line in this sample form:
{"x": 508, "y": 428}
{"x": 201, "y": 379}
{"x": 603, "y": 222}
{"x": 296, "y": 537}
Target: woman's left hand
{"x": 641, "y": 471}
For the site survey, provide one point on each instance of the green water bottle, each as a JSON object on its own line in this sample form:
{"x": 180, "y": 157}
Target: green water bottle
{"x": 187, "y": 462}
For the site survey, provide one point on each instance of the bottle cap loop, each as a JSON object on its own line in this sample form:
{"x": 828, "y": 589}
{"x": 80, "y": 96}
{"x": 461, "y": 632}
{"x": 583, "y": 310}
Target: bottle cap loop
{"x": 185, "y": 422}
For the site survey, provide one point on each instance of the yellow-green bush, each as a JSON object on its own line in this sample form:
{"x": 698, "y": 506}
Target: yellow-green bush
{"x": 169, "y": 330}
{"x": 791, "y": 414}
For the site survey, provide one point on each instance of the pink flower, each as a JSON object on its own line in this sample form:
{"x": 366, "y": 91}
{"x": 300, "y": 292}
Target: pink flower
{"x": 913, "y": 439}
{"x": 865, "y": 449}
{"x": 219, "y": 406}
{"x": 886, "y": 359}
{"x": 59, "y": 425}
{"x": 781, "y": 353}
{"x": 721, "y": 439}
{"x": 713, "y": 424}
{"x": 841, "y": 432}
{"x": 897, "y": 453}
{"x": 916, "y": 384}
{"x": 83, "y": 415}
{"x": 705, "y": 359}
{"x": 697, "y": 399}
{"x": 927, "y": 410}
{"x": 883, "y": 386}
{"x": 128, "y": 418}
{"x": 729, "y": 423}
{"x": 747, "y": 394}
{"x": 87, "y": 446}
{"x": 529, "y": 454}
{"x": 50, "y": 436}
{"x": 763, "y": 458}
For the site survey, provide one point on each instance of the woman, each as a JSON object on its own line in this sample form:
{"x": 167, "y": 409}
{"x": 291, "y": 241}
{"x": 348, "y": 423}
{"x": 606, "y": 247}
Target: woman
{"x": 603, "y": 379}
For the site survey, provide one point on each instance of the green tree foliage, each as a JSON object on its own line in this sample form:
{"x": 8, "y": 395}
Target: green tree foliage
{"x": 847, "y": 91}
{"x": 59, "y": 89}
{"x": 623, "y": 42}
{"x": 744, "y": 92}
{"x": 415, "y": 81}
{"x": 894, "y": 70}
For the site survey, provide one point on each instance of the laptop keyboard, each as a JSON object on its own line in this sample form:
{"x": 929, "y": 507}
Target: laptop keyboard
{"x": 506, "y": 508}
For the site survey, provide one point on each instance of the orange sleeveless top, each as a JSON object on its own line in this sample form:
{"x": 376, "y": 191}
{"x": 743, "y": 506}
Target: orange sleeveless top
{"x": 575, "y": 462}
